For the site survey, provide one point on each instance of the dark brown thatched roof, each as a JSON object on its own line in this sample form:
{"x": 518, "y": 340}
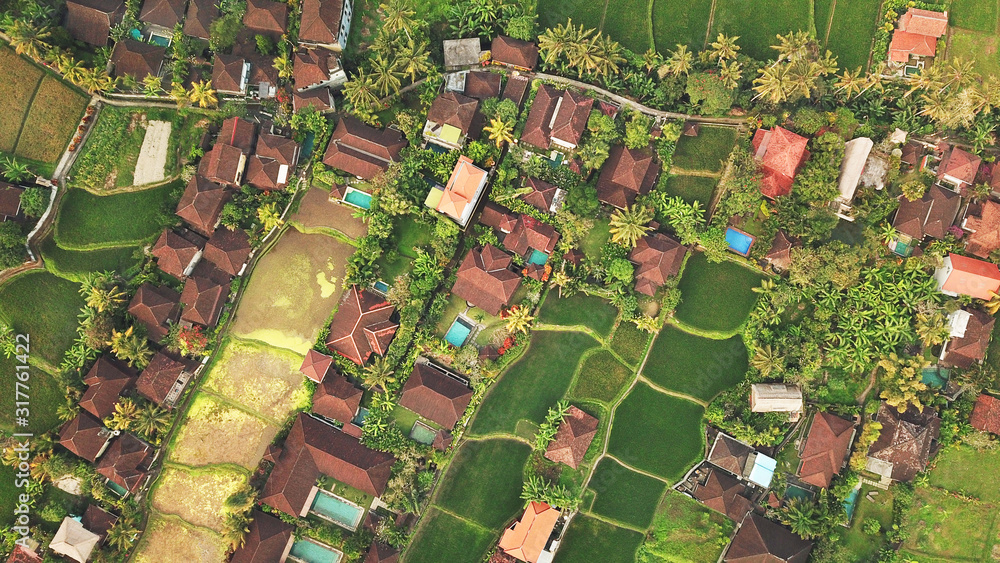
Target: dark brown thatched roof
{"x": 514, "y": 52}
{"x": 166, "y": 13}
{"x": 160, "y": 376}
{"x": 761, "y": 541}
{"x": 556, "y": 115}
{"x": 106, "y": 381}
{"x": 435, "y": 395}
{"x": 228, "y": 250}
{"x": 626, "y": 174}
{"x": 541, "y": 196}
{"x": 266, "y": 540}
{"x": 282, "y": 149}
{"x": 484, "y": 279}
{"x": 970, "y": 348}
{"x": 729, "y": 454}
{"x": 224, "y": 164}
{"x": 85, "y": 436}
{"x": 907, "y": 440}
{"x": 91, "y": 21}
{"x": 98, "y": 520}
{"x": 482, "y": 84}
{"x": 724, "y": 494}
{"x": 657, "y": 258}
{"x": 319, "y": 98}
{"x": 573, "y": 438}
{"x": 321, "y": 21}
{"x": 203, "y": 299}
{"x": 453, "y": 109}
{"x": 362, "y": 150}
{"x": 136, "y": 59}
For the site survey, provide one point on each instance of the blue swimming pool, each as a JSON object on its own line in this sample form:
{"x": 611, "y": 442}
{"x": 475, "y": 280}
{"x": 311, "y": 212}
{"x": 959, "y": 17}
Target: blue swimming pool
{"x": 851, "y": 502}
{"x": 537, "y": 257}
{"x": 381, "y": 287}
{"x": 422, "y": 433}
{"x": 312, "y": 552}
{"x": 935, "y": 376}
{"x": 739, "y": 242}
{"x": 458, "y": 333}
{"x": 358, "y": 198}
{"x": 359, "y": 419}
{"x": 341, "y": 511}
{"x": 159, "y": 40}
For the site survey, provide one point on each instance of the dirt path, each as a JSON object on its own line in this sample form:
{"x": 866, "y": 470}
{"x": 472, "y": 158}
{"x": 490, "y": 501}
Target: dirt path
{"x": 153, "y": 154}
{"x": 711, "y": 22}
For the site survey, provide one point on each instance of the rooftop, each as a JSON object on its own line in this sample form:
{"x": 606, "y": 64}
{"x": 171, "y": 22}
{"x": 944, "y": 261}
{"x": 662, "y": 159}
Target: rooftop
{"x": 485, "y": 280}
{"x": 435, "y": 395}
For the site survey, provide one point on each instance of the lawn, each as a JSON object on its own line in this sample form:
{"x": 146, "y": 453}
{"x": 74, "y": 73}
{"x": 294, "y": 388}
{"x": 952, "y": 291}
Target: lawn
{"x": 962, "y": 469}
{"x": 589, "y": 540}
{"x": 22, "y": 79}
{"x": 851, "y": 32}
{"x": 682, "y": 22}
{"x": 292, "y": 290}
{"x": 52, "y": 120}
{"x": 627, "y": 21}
{"x": 756, "y": 24}
{"x": 265, "y": 380}
{"x": 168, "y": 538}
{"x": 624, "y": 495}
{"x": 589, "y": 13}
{"x": 44, "y": 307}
{"x": 75, "y": 264}
{"x": 696, "y": 366}
{"x": 411, "y": 235}
{"x": 601, "y": 378}
{"x": 442, "y": 537}
{"x": 657, "y": 433}
{"x": 692, "y": 189}
{"x": 684, "y": 530}
{"x": 716, "y": 297}
{"x": 951, "y": 529}
{"x": 534, "y": 383}
{"x": 206, "y": 435}
{"x": 599, "y": 234}
{"x": 862, "y": 546}
{"x": 89, "y": 222}
{"x": 581, "y": 309}
{"x": 196, "y": 496}
{"x": 630, "y": 342}
{"x": 979, "y": 47}
{"x": 708, "y": 151}
{"x": 977, "y": 15}
{"x": 483, "y": 482}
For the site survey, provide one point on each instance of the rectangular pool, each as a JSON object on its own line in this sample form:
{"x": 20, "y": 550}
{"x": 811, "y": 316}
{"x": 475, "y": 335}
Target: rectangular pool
{"x": 458, "y": 334}
{"x": 358, "y": 198}
{"x": 340, "y": 511}
{"x": 851, "y": 503}
{"x": 308, "y": 551}
{"x": 739, "y": 242}
{"x": 422, "y": 433}
{"x": 538, "y": 257}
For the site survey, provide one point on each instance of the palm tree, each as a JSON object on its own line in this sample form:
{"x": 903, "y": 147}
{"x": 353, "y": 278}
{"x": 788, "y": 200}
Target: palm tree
{"x": 386, "y": 76}
{"x": 152, "y": 86}
{"x": 851, "y": 83}
{"x": 178, "y": 93}
{"x": 827, "y": 64}
{"x": 608, "y": 55}
{"x": 152, "y": 420}
{"x": 774, "y": 84}
{"x": 202, "y": 94}
{"x": 242, "y": 500}
{"x": 360, "y": 91}
{"x": 993, "y": 305}
{"x": 804, "y": 77}
{"x": 767, "y": 360}
{"x": 679, "y": 62}
{"x": 723, "y": 48}
{"x": 730, "y": 72}
{"x": 72, "y": 69}
{"x": 802, "y": 517}
{"x": 124, "y": 416}
{"x": 794, "y": 46}
{"x": 651, "y": 60}
{"x": 630, "y": 224}
{"x": 519, "y": 319}
{"x": 888, "y": 233}
{"x": 106, "y": 298}
{"x": 500, "y": 132}
{"x": 560, "y": 279}
{"x": 122, "y": 534}
{"x": 15, "y": 171}
{"x": 932, "y": 329}
{"x": 554, "y": 42}
{"x": 413, "y": 58}
{"x": 131, "y": 348}
{"x": 397, "y": 16}
{"x": 96, "y": 81}
{"x": 379, "y": 374}
{"x": 27, "y": 39}
{"x": 269, "y": 217}
{"x": 283, "y": 65}
{"x": 235, "y": 529}
{"x": 67, "y": 411}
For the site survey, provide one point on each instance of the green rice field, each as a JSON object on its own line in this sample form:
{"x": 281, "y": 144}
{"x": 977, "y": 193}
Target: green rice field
{"x": 694, "y": 365}
{"x": 624, "y": 495}
{"x": 483, "y": 482}
{"x": 716, "y": 297}
{"x": 581, "y": 309}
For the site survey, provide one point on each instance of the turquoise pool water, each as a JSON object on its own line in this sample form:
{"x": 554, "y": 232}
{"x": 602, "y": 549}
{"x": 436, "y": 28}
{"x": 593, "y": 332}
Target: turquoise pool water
{"x": 458, "y": 333}
{"x": 337, "y": 509}
{"x": 159, "y": 41}
{"x": 851, "y": 502}
{"x": 934, "y": 377}
{"x": 538, "y": 257}
{"x": 422, "y": 433}
{"x": 797, "y": 492}
{"x": 359, "y": 419}
{"x": 312, "y": 552}
{"x": 358, "y": 198}
{"x": 739, "y": 242}
{"x": 381, "y": 286}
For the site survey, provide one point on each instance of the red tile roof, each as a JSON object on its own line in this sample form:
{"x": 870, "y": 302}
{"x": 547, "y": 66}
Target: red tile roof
{"x": 514, "y": 52}
{"x": 337, "y": 398}
{"x": 154, "y": 307}
{"x": 199, "y": 18}
{"x": 321, "y": 21}
{"x": 985, "y": 227}
{"x": 166, "y": 13}
{"x": 924, "y": 22}
{"x": 516, "y": 89}
{"x": 203, "y": 299}
{"x": 224, "y": 164}
{"x": 907, "y": 440}
{"x": 318, "y": 98}
{"x": 658, "y": 258}
{"x": 556, "y": 114}
{"x": 986, "y": 414}
{"x": 98, "y": 520}
{"x": 527, "y": 538}
{"x": 484, "y": 279}
{"x": 23, "y": 554}
{"x": 531, "y": 234}
{"x": 228, "y": 250}
{"x": 972, "y": 277}
{"x": 462, "y": 189}
{"x": 136, "y": 59}
{"x": 126, "y": 463}
{"x": 960, "y": 165}
{"x": 85, "y": 436}
{"x": 541, "y": 196}
{"x": 266, "y": 540}
{"x": 314, "y": 448}
{"x": 91, "y": 21}
{"x": 316, "y": 365}
{"x": 312, "y": 66}
{"x": 482, "y": 84}
{"x": 174, "y": 251}
{"x": 970, "y": 348}
{"x": 435, "y": 395}
{"x": 453, "y": 109}
{"x": 576, "y": 431}
{"x": 266, "y": 16}
{"x": 266, "y": 173}
{"x": 626, "y": 174}
{"x": 202, "y": 203}
{"x": 362, "y": 150}
{"x": 904, "y": 45}
{"x": 826, "y": 449}
{"x": 381, "y": 553}
{"x": 780, "y": 254}
{"x": 157, "y": 380}
{"x": 760, "y": 540}
{"x": 238, "y": 132}
{"x": 498, "y": 217}
{"x": 780, "y": 153}
{"x": 362, "y": 326}
{"x": 724, "y": 494}
{"x": 106, "y": 381}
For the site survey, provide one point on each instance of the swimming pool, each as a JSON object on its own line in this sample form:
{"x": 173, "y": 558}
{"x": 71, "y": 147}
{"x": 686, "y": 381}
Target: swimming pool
{"x": 851, "y": 502}
{"x": 358, "y": 198}
{"x": 359, "y": 419}
{"x": 458, "y": 333}
{"x": 339, "y": 510}
{"x": 537, "y": 257}
{"x": 422, "y": 433}
{"x": 935, "y": 376}
{"x": 159, "y": 40}
{"x": 311, "y": 552}
{"x": 739, "y": 242}
{"x": 381, "y": 287}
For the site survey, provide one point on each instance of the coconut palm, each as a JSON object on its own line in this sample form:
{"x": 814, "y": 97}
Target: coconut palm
{"x": 993, "y": 305}
{"x": 386, "y": 75}
{"x": 723, "y": 48}
{"x": 793, "y": 46}
{"x": 235, "y": 528}
{"x": 959, "y": 72}
{"x": 767, "y": 360}
{"x": 283, "y": 65}
{"x": 932, "y": 329}
{"x": 397, "y": 16}
{"x": 269, "y": 217}
{"x": 630, "y": 224}
{"x": 560, "y": 279}
{"x": 774, "y": 84}
{"x": 360, "y": 91}
{"x": 242, "y": 500}
{"x": 651, "y": 60}
{"x": 378, "y": 374}
{"x": 97, "y": 81}
{"x": 679, "y": 62}
{"x": 519, "y": 319}
{"x": 850, "y": 83}
{"x": 413, "y": 58}
{"x": 67, "y": 411}
{"x": 554, "y": 42}
{"x": 827, "y": 64}
{"x": 178, "y": 93}
{"x": 131, "y": 348}
{"x": 888, "y": 233}
{"x": 105, "y": 298}
{"x": 71, "y": 68}
{"x": 202, "y": 94}
{"x": 152, "y": 86}
{"x": 124, "y": 416}
{"x": 500, "y": 132}
{"x": 583, "y": 55}
{"x": 730, "y": 72}
{"x": 152, "y": 420}
{"x": 27, "y": 39}
{"x": 802, "y": 517}
{"x": 608, "y": 55}
{"x": 804, "y": 77}
{"x": 122, "y": 534}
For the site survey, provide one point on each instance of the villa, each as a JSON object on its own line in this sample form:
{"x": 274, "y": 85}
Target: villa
{"x": 982, "y": 222}
{"x": 758, "y": 540}
{"x": 916, "y": 37}
{"x": 485, "y": 280}
{"x": 362, "y": 150}
{"x": 268, "y": 539}
{"x": 657, "y": 258}
{"x": 825, "y": 450}
{"x": 531, "y": 239}
{"x": 320, "y": 99}
{"x": 91, "y": 21}
{"x": 781, "y": 154}
{"x": 106, "y": 381}
{"x": 203, "y": 299}
{"x": 460, "y": 196}
{"x": 177, "y": 253}
{"x": 498, "y": 217}
{"x": 543, "y": 196}
{"x": 961, "y": 275}
{"x": 99, "y": 521}
{"x": 958, "y": 168}
{"x": 557, "y": 118}
{"x": 573, "y": 438}
{"x": 74, "y": 541}
{"x": 527, "y": 539}
{"x": 776, "y": 397}
{"x": 199, "y": 18}
{"x": 164, "y": 13}
{"x": 326, "y": 23}
{"x": 224, "y": 164}
{"x": 155, "y": 307}
{"x": 363, "y": 326}
{"x": 435, "y": 394}
{"x": 452, "y": 120}
{"x": 316, "y": 68}
{"x": 10, "y": 201}
{"x": 929, "y": 216}
{"x": 722, "y": 493}
{"x": 266, "y": 17}
{"x": 137, "y": 59}
{"x": 85, "y": 436}
{"x": 514, "y": 53}
{"x": 316, "y": 365}
{"x": 228, "y": 250}
{"x": 338, "y": 399}
{"x": 986, "y": 414}
{"x": 164, "y": 379}
{"x": 969, "y": 338}
{"x": 626, "y": 174}
{"x": 238, "y": 75}
{"x": 202, "y": 203}
{"x": 127, "y": 463}
{"x": 905, "y": 444}
{"x": 741, "y": 460}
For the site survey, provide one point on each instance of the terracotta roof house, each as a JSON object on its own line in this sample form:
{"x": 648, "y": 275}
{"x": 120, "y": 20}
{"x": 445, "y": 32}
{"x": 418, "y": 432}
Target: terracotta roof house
{"x": 199, "y": 18}
{"x": 136, "y": 59}
{"x": 177, "y": 253}
{"x": 267, "y": 173}
{"x": 126, "y": 463}
{"x": 224, "y": 164}
{"x": 657, "y": 258}
{"x": 926, "y": 22}
{"x": 362, "y": 150}
{"x": 337, "y": 398}
{"x": 961, "y": 275}
{"x": 781, "y": 154}
{"x": 916, "y": 34}
{"x": 986, "y": 414}
{"x": 238, "y": 132}
{"x": 576, "y": 431}
{"x": 958, "y": 168}
{"x": 106, "y": 381}
{"x": 363, "y": 326}
{"x": 316, "y": 365}
{"x": 164, "y": 379}
{"x": 760, "y": 540}
{"x": 202, "y": 203}
{"x": 450, "y": 120}
{"x": 443, "y": 440}
{"x": 543, "y": 196}
{"x": 313, "y": 68}
{"x": 557, "y": 117}
{"x": 498, "y": 217}
{"x": 74, "y": 541}
{"x": 462, "y": 192}
{"x": 970, "y": 337}
{"x": 435, "y": 394}
{"x": 266, "y": 17}
{"x": 929, "y": 216}
{"x": 24, "y": 554}
{"x": 320, "y": 99}
{"x": 528, "y": 538}
{"x": 729, "y": 454}
{"x": 461, "y": 53}
{"x": 268, "y": 539}
{"x": 780, "y": 254}
{"x": 482, "y": 84}
{"x": 85, "y": 436}
{"x": 515, "y": 53}
{"x": 485, "y": 280}
{"x": 229, "y": 250}
{"x": 776, "y": 397}
{"x": 203, "y": 299}
{"x": 230, "y": 73}
{"x": 516, "y": 89}
{"x": 627, "y": 173}
{"x": 326, "y": 23}
{"x": 164, "y": 13}
{"x": 10, "y": 200}
{"x": 381, "y": 553}
{"x": 530, "y": 235}
{"x": 905, "y": 444}
{"x": 826, "y": 449}
{"x": 98, "y": 520}
{"x": 984, "y": 226}
{"x": 314, "y": 448}
{"x": 154, "y": 307}
{"x": 723, "y": 493}
{"x": 91, "y": 21}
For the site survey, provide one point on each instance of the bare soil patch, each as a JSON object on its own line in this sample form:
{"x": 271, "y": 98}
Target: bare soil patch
{"x": 265, "y": 381}
{"x": 217, "y": 433}
{"x": 317, "y": 211}
{"x": 153, "y": 155}
{"x": 167, "y": 540}
{"x": 197, "y": 497}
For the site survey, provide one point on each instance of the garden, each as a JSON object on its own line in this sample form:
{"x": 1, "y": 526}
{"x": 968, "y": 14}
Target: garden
{"x": 91, "y": 222}
{"x": 716, "y": 297}
{"x": 706, "y": 152}
{"x": 695, "y": 366}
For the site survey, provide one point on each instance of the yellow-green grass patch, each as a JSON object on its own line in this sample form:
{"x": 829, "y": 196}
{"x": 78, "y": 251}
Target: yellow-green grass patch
{"x": 977, "y": 15}
{"x": 483, "y": 483}
{"x": 316, "y": 211}
{"x": 292, "y": 291}
{"x": 852, "y": 30}
{"x": 683, "y": 22}
{"x": 197, "y": 496}
{"x": 694, "y": 365}
{"x": 442, "y": 537}
{"x": 602, "y": 377}
{"x": 74, "y": 265}
{"x": 962, "y": 469}
{"x": 21, "y": 79}
{"x": 589, "y": 13}
{"x": 684, "y": 530}
{"x": 692, "y": 189}
{"x": 46, "y": 396}
{"x": 862, "y": 546}
{"x": 88, "y": 221}
{"x": 589, "y": 540}
{"x": 627, "y": 21}
{"x": 215, "y": 433}
{"x": 52, "y": 120}
{"x": 983, "y": 48}
{"x": 264, "y": 380}
{"x": 623, "y": 495}
{"x": 707, "y": 152}
{"x": 169, "y": 538}
{"x": 949, "y": 528}
{"x": 44, "y": 307}
{"x": 581, "y": 309}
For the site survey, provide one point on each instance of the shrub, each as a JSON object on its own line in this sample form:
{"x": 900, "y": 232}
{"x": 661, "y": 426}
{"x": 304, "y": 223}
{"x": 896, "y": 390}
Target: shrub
{"x": 871, "y": 527}
{"x": 709, "y": 92}
{"x": 34, "y": 201}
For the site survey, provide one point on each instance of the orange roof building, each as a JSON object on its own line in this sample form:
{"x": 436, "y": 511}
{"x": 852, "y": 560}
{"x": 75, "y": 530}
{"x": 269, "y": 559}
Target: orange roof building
{"x": 826, "y": 448}
{"x": 460, "y": 196}
{"x": 527, "y": 538}
{"x": 575, "y": 434}
{"x": 961, "y": 275}
{"x": 985, "y": 229}
{"x": 986, "y": 414}
{"x": 781, "y": 154}
{"x": 916, "y": 34}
